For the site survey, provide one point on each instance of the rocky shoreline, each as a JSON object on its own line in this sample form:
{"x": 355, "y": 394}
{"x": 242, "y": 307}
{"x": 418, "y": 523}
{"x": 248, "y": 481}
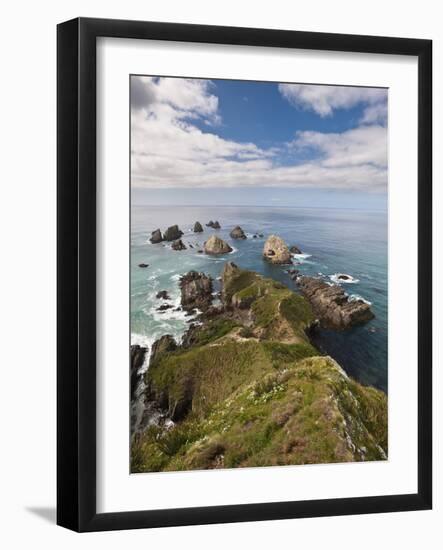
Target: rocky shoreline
{"x": 245, "y": 367}
{"x": 332, "y": 305}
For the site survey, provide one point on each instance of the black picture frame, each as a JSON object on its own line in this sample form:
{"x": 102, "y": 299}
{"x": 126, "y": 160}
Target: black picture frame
{"x": 76, "y": 279}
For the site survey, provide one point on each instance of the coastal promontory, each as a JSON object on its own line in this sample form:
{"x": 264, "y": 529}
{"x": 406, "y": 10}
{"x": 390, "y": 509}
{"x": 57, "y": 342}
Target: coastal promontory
{"x": 332, "y": 305}
{"x": 247, "y": 388}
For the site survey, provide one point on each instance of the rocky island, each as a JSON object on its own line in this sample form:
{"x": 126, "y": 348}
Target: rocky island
{"x": 214, "y": 225}
{"x": 215, "y": 245}
{"x": 237, "y": 233}
{"x": 276, "y": 251}
{"x": 247, "y": 388}
{"x": 156, "y": 237}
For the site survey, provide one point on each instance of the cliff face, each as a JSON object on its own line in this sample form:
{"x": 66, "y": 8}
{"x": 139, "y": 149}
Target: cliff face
{"x": 248, "y": 389}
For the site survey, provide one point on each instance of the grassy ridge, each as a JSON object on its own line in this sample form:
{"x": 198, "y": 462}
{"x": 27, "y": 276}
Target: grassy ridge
{"x": 253, "y": 391}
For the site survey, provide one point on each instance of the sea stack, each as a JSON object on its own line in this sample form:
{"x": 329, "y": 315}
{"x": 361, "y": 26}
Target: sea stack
{"x": 214, "y": 225}
{"x": 156, "y": 237}
{"x": 178, "y": 245}
{"x": 215, "y": 245}
{"x": 196, "y": 291}
{"x": 237, "y": 233}
{"x": 172, "y": 233}
{"x": 276, "y": 251}
{"x": 198, "y": 227}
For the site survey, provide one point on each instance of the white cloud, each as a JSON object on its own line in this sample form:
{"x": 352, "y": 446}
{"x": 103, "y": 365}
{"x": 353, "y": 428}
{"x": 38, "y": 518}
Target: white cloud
{"x": 375, "y": 114}
{"x": 366, "y": 145}
{"x": 325, "y": 99}
{"x": 170, "y": 150}
{"x": 185, "y": 97}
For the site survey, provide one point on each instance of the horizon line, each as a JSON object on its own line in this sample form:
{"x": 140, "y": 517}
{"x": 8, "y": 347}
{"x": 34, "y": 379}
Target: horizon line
{"x": 262, "y": 206}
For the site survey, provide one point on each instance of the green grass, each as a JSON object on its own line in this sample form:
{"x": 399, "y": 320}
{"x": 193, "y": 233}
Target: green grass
{"x": 302, "y": 414}
{"x": 239, "y": 281}
{"x": 267, "y": 398}
{"x": 213, "y": 330}
{"x": 297, "y": 311}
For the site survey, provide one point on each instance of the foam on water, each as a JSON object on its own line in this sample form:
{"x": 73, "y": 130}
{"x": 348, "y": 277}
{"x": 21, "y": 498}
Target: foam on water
{"x": 331, "y": 243}
{"x": 336, "y": 279}
{"x": 357, "y": 297}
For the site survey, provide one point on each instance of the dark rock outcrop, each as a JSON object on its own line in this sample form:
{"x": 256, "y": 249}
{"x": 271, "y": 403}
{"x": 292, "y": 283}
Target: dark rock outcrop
{"x": 164, "y": 307}
{"x": 156, "y": 237}
{"x": 163, "y": 294}
{"x": 137, "y": 358}
{"x": 332, "y": 305}
{"x": 215, "y": 245}
{"x": 172, "y": 233}
{"x": 214, "y": 225}
{"x": 293, "y": 273}
{"x": 196, "y": 291}
{"x": 198, "y": 227}
{"x": 163, "y": 345}
{"x": 143, "y": 265}
{"x": 344, "y": 277}
{"x": 295, "y": 250}
{"x": 276, "y": 251}
{"x": 263, "y": 366}
{"x": 178, "y": 245}
{"x": 237, "y": 233}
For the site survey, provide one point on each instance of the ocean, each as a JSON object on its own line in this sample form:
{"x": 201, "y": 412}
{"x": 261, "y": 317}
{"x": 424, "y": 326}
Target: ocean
{"x": 332, "y": 241}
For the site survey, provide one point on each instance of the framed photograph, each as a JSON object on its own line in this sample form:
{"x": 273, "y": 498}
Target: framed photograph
{"x": 244, "y": 274}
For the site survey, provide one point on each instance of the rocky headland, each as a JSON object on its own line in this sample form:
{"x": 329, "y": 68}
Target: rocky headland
{"x": 247, "y": 388}
{"x": 332, "y": 305}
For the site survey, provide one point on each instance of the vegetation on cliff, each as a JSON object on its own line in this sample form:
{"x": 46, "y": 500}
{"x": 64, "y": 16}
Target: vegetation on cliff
{"x": 248, "y": 389}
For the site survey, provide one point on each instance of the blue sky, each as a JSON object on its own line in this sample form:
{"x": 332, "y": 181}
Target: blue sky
{"x": 257, "y": 112}
{"x": 281, "y": 144}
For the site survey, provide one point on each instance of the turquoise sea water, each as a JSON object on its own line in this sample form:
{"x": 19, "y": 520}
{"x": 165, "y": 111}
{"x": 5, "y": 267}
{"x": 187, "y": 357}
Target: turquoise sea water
{"x": 332, "y": 241}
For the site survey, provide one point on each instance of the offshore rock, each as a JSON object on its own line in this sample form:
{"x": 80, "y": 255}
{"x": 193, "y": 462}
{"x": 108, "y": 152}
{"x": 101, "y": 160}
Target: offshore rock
{"x": 237, "y": 233}
{"x": 196, "y": 291}
{"x": 215, "y": 245}
{"x": 156, "y": 237}
{"x": 276, "y": 251}
{"x": 332, "y": 304}
{"x": 172, "y": 233}
{"x": 214, "y": 225}
{"x": 178, "y": 245}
